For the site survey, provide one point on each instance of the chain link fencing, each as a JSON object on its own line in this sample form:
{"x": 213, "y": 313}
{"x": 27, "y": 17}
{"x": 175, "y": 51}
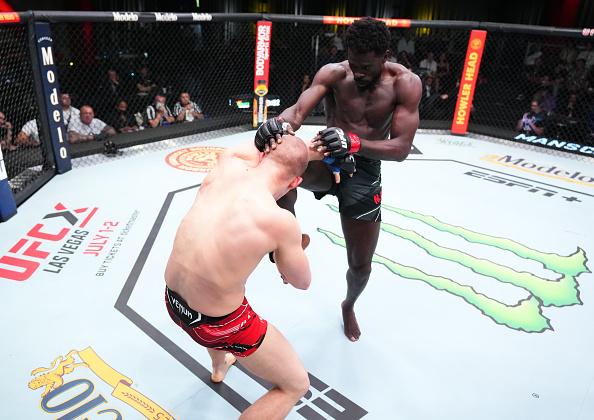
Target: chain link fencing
{"x": 23, "y": 147}
{"x": 536, "y": 85}
{"x": 155, "y": 81}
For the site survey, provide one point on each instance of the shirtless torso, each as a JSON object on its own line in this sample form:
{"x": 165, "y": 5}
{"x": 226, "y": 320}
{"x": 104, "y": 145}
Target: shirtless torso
{"x": 233, "y": 222}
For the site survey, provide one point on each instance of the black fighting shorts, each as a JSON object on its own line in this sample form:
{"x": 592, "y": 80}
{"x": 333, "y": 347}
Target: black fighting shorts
{"x": 359, "y": 197}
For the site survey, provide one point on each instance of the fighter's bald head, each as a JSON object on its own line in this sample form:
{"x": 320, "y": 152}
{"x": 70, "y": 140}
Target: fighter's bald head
{"x": 291, "y": 155}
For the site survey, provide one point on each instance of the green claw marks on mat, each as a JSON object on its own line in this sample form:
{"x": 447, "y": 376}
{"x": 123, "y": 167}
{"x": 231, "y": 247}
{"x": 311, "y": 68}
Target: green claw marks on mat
{"x": 527, "y": 314}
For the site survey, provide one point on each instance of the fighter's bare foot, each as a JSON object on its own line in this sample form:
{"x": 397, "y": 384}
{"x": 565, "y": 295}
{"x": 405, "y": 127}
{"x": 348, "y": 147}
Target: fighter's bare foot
{"x": 351, "y": 327}
{"x": 219, "y": 373}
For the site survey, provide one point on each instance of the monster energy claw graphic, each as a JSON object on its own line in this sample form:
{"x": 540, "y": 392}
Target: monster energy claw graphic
{"x": 527, "y": 314}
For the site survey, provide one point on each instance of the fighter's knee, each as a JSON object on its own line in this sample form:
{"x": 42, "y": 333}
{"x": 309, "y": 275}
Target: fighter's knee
{"x": 360, "y": 270}
{"x": 300, "y": 385}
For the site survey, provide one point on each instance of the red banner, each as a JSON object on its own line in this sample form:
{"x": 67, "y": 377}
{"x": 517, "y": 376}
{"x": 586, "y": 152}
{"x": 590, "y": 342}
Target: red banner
{"x": 341, "y": 20}
{"x": 261, "y": 66}
{"x": 472, "y": 64}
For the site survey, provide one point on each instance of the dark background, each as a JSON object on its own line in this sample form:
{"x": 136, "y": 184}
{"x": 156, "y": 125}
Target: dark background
{"x": 561, "y": 13}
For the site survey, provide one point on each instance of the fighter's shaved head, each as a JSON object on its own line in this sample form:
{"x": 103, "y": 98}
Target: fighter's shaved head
{"x": 291, "y": 155}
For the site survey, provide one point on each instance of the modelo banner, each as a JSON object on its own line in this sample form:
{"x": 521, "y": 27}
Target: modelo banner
{"x": 261, "y": 66}
{"x": 472, "y": 64}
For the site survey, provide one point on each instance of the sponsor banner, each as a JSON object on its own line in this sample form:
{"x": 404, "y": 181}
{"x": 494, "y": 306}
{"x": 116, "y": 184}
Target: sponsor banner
{"x": 472, "y": 64}
{"x": 62, "y": 236}
{"x": 555, "y": 144}
{"x": 51, "y": 92}
{"x": 342, "y": 20}
{"x": 125, "y": 17}
{"x": 9, "y": 18}
{"x": 549, "y": 171}
{"x": 195, "y": 159}
{"x": 261, "y": 67}
{"x": 70, "y": 389}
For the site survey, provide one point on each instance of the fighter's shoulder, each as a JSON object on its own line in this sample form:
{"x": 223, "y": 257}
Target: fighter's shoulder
{"x": 334, "y": 71}
{"x": 406, "y": 82}
{"x": 280, "y": 223}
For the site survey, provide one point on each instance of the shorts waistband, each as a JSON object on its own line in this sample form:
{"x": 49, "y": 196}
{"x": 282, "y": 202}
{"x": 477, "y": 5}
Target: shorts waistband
{"x": 189, "y": 316}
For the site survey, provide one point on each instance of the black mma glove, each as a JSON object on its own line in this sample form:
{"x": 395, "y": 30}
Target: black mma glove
{"x": 268, "y": 132}
{"x": 339, "y": 143}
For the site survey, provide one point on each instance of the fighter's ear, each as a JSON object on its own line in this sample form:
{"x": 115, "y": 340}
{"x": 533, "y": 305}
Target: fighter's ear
{"x": 295, "y": 183}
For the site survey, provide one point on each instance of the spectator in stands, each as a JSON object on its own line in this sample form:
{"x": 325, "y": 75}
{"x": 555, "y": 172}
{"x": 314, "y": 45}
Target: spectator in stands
{"x": 122, "y": 119}
{"x": 69, "y": 112}
{"x": 6, "y": 134}
{"x": 305, "y": 82}
{"x": 145, "y": 85}
{"x": 587, "y": 55}
{"x": 406, "y": 43}
{"x": 568, "y": 55}
{"x": 109, "y": 92}
{"x": 428, "y": 65}
{"x": 185, "y": 110}
{"x": 430, "y": 94}
{"x": 405, "y": 60}
{"x": 159, "y": 113}
{"x": 88, "y": 128}
{"x": 577, "y": 79}
{"x": 29, "y": 134}
{"x": 331, "y": 56}
{"x": 572, "y": 109}
{"x": 443, "y": 73}
{"x": 533, "y": 51}
{"x": 545, "y": 95}
{"x": 533, "y": 122}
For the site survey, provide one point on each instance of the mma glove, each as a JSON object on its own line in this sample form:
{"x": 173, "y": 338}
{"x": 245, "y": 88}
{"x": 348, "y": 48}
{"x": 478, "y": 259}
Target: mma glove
{"x": 346, "y": 164}
{"x": 268, "y": 132}
{"x": 339, "y": 143}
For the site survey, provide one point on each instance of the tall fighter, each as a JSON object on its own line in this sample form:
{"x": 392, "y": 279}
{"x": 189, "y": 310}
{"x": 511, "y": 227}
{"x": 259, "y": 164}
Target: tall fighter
{"x": 232, "y": 224}
{"x": 372, "y": 114}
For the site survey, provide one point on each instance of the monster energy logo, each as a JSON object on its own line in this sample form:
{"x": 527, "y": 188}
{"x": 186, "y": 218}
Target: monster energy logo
{"x": 526, "y": 315}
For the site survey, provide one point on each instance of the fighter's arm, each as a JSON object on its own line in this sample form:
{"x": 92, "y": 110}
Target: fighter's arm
{"x": 310, "y": 97}
{"x": 405, "y": 121}
{"x": 289, "y": 256}
{"x": 271, "y": 131}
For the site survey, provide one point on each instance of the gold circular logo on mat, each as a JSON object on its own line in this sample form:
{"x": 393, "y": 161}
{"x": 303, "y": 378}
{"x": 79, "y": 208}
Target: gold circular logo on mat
{"x": 194, "y": 159}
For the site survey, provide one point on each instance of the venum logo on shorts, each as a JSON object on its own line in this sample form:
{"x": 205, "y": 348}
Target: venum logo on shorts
{"x": 29, "y": 252}
{"x": 523, "y": 315}
{"x": 80, "y": 396}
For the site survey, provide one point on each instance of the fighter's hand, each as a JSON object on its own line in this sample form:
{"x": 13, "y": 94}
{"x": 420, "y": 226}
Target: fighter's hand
{"x": 336, "y": 143}
{"x": 270, "y": 133}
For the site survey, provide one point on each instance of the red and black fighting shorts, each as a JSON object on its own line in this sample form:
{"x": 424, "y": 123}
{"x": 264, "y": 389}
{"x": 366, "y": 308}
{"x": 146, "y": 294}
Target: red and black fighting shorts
{"x": 241, "y": 332}
{"x": 359, "y": 197}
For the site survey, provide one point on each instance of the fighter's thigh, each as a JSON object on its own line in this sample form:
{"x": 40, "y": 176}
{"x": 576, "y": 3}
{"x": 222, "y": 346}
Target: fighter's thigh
{"x": 277, "y": 362}
{"x": 317, "y": 177}
{"x": 361, "y": 238}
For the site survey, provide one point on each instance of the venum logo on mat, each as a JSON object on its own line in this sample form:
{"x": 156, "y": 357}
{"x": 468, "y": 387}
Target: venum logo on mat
{"x": 524, "y": 315}
{"x": 77, "y": 395}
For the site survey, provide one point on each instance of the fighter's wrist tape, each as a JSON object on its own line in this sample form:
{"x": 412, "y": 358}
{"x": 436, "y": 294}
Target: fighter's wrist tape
{"x": 355, "y": 142}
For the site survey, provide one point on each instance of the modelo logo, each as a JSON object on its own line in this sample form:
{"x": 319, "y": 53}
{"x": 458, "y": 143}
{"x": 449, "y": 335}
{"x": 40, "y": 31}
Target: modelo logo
{"x": 551, "y": 171}
{"x": 125, "y": 17}
{"x": 166, "y": 17}
{"x": 201, "y": 17}
{"x": 26, "y": 255}
{"x": 47, "y": 59}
